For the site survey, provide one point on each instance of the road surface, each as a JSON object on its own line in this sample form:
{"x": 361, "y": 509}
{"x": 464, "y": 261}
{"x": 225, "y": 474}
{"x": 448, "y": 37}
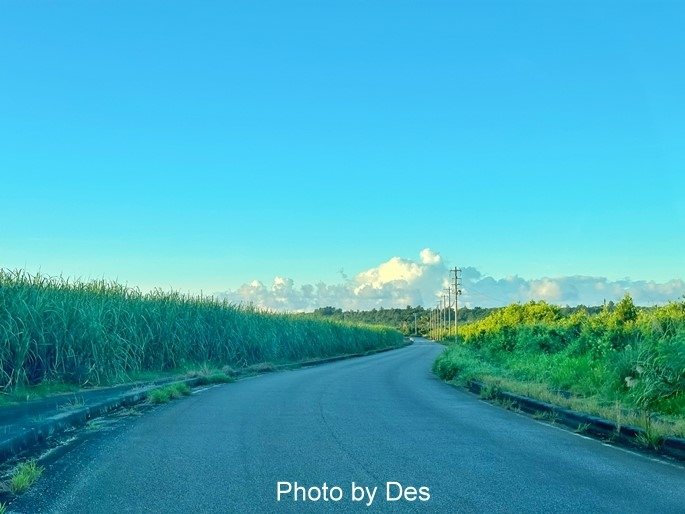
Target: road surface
{"x": 372, "y": 420}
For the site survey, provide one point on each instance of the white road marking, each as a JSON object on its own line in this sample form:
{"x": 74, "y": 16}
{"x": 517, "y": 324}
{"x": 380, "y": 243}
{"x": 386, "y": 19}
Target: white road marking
{"x": 197, "y": 391}
{"x": 570, "y": 431}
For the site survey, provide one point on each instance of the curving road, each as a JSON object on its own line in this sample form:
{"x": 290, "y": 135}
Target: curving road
{"x": 369, "y": 420}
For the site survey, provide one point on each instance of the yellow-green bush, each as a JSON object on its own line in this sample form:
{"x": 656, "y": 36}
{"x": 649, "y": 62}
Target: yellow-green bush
{"x": 632, "y": 355}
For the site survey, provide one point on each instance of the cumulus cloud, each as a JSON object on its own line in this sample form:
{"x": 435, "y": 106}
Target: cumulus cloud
{"x": 428, "y": 256}
{"x": 399, "y": 282}
{"x": 572, "y": 290}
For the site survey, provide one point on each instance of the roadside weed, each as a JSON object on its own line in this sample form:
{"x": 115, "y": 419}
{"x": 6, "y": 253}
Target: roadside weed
{"x": 650, "y": 437}
{"x": 179, "y": 390}
{"x": 507, "y": 404}
{"x": 160, "y": 395}
{"x": 548, "y": 416}
{"x": 489, "y": 392}
{"x": 74, "y": 403}
{"x": 582, "y": 428}
{"x": 171, "y": 392}
{"x": 24, "y": 476}
{"x": 208, "y": 376}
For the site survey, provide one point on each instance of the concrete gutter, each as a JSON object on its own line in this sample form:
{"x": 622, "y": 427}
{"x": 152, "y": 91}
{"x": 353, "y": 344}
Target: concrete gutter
{"x": 62, "y": 421}
{"x": 601, "y": 428}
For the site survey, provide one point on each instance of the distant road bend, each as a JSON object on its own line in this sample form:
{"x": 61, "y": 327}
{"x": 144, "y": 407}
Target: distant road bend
{"x": 370, "y": 420}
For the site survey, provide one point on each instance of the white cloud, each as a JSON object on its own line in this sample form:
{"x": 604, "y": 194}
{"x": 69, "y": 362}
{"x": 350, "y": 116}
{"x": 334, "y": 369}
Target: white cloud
{"x": 428, "y": 256}
{"x": 399, "y": 282}
{"x": 546, "y": 289}
{"x": 572, "y": 290}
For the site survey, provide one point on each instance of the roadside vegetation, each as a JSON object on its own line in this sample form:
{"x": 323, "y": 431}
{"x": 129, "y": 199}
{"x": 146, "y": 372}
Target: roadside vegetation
{"x": 168, "y": 393}
{"x": 57, "y": 334}
{"x": 24, "y": 476}
{"x": 623, "y": 362}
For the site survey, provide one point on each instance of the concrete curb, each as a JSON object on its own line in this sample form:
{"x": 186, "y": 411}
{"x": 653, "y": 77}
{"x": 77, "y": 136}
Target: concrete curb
{"x": 63, "y": 421}
{"x": 601, "y": 428}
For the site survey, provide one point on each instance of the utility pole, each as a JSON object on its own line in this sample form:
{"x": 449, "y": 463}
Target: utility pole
{"x": 449, "y": 309}
{"x": 457, "y": 292}
{"x": 443, "y": 317}
{"x": 416, "y": 330}
{"x": 433, "y": 322}
{"x": 438, "y": 316}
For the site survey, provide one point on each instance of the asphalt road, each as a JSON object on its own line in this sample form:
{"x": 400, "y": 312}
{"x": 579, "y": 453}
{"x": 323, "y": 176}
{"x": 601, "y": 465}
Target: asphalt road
{"x": 369, "y": 420}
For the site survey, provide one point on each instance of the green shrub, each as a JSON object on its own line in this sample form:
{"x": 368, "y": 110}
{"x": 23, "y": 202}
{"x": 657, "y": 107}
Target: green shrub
{"x": 624, "y": 353}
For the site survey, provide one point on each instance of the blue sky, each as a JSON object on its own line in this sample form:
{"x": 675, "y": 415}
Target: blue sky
{"x": 201, "y": 145}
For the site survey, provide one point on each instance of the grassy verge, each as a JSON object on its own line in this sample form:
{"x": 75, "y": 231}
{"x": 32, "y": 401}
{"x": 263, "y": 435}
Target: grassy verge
{"x": 623, "y": 364}
{"x": 205, "y": 374}
{"x": 26, "y": 393}
{"x": 170, "y": 392}
{"x": 24, "y": 476}
{"x": 96, "y": 333}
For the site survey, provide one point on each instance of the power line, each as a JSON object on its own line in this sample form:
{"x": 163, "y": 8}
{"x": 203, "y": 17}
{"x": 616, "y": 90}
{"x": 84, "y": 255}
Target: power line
{"x": 470, "y": 289}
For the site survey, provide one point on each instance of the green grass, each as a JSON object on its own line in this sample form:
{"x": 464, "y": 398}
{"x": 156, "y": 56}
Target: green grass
{"x": 179, "y": 390}
{"x": 76, "y": 402}
{"x": 215, "y": 378}
{"x": 24, "y": 393}
{"x": 3, "y": 508}
{"x": 168, "y": 393}
{"x": 582, "y": 428}
{"x": 651, "y": 437}
{"x": 262, "y": 367}
{"x": 207, "y": 375}
{"x": 508, "y": 404}
{"x": 548, "y": 416}
{"x": 96, "y": 333}
{"x": 625, "y": 363}
{"x": 161, "y": 395}
{"x": 24, "y": 476}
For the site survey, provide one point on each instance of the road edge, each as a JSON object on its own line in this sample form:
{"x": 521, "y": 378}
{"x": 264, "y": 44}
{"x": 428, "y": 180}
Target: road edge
{"x": 597, "y": 427}
{"x": 76, "y": 418}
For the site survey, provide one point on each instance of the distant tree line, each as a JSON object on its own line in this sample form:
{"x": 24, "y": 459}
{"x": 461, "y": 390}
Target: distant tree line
{"x": 403, "y": 319}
